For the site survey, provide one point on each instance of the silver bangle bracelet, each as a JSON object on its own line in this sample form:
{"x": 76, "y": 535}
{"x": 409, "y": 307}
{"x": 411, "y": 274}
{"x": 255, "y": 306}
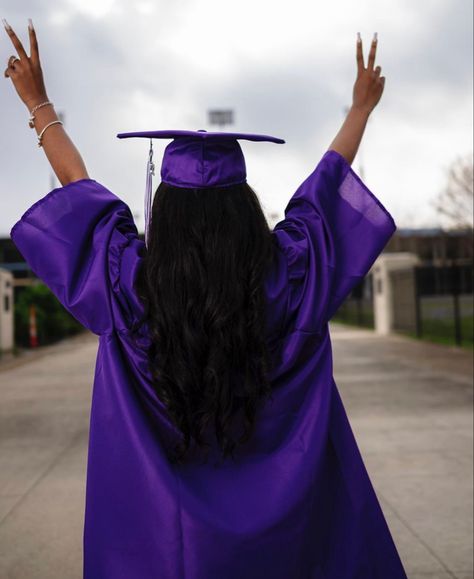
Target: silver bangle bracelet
{"x": 40, "y": 136}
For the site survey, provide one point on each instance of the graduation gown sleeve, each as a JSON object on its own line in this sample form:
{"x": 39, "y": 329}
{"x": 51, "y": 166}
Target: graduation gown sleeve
{"x": 334, "y": 229}
{"x": 73, "y": 239}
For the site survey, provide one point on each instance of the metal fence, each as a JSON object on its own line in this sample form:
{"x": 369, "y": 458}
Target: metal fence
{"x": 358, "y": 307}
{"x": 434, "y": 302}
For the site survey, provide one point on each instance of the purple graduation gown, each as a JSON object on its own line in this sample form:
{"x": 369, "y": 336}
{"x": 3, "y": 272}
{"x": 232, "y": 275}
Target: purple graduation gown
{"x": 298, "y": 502}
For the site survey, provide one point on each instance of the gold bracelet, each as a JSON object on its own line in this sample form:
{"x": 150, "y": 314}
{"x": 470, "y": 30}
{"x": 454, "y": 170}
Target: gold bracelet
{"x": 40, "y": 136}
{"x": 31, "y": 120}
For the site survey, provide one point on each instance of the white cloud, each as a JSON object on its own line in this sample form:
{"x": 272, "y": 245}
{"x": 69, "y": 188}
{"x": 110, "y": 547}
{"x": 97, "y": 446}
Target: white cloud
{"x": 93, "y": 8}
{"x": 286, "y": 68}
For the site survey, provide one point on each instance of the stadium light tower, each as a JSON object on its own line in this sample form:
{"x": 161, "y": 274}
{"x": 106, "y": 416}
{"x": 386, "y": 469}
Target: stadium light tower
{"x": 220, "y": 117}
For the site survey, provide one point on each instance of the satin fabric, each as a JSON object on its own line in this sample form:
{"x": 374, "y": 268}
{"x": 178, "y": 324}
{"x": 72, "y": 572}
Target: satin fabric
{"x": 298, "y": 502}
{"x": 201, "y": 163}
{"x": 202, "y": 159}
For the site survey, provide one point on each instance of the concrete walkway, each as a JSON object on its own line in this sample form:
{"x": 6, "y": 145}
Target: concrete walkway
{"x": 409, "y": 404}
{"x": 410, "y": 407}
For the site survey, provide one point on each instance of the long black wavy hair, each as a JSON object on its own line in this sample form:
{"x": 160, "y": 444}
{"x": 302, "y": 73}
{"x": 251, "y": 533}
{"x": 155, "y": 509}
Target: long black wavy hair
{"x": 201, "y": 284}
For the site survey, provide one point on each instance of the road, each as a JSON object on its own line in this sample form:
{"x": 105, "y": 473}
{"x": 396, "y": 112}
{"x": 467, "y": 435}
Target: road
{"x": 409, "y": 404}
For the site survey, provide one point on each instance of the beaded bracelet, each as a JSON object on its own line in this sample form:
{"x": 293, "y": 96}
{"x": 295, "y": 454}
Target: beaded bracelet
{"x": 40, "y": 136}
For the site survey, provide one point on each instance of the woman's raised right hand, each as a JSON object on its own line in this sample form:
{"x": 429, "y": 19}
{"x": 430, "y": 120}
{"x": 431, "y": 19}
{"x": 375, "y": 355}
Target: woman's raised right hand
{"x": 369, "y": 85}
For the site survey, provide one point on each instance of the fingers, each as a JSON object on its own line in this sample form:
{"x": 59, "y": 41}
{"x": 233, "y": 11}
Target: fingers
{"x": 12, "y": 62}
{"x": 10, "y": 72}
{"x": 359, "y": 55}
{"x": 16, "y": 42}
{"x": 34, "y": 52}
{"x": 373, "y": 49}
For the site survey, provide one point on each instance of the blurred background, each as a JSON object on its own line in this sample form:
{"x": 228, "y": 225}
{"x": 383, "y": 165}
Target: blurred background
{"x": 403, "y": 339}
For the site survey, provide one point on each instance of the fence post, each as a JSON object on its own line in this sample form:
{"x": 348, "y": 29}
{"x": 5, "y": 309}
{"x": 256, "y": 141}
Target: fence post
{"x": 385, "y": 300}
{"x": 6, "y": 311}
{"x": 457, "y": 316}
{"x": 418, "y": 319}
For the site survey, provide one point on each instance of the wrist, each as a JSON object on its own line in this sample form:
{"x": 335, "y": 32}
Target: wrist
{"x": 33, "y": 101}
{"x": 360, "y": 110}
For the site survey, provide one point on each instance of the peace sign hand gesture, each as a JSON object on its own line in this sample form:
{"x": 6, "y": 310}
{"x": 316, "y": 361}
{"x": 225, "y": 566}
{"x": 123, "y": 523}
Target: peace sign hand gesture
{"x": 369, "y": 85}
{"x": 25, "y": 71}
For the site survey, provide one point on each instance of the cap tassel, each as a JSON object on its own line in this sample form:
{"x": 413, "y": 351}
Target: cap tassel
{"x": 150, "y": 171}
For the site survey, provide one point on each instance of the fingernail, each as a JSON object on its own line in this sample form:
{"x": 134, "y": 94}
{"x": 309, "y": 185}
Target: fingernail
{"x": 30, "y": 24}
{"x": 375, "y": 37}
{"x": 358, "y": 37}
{"x": 5, "y": 23}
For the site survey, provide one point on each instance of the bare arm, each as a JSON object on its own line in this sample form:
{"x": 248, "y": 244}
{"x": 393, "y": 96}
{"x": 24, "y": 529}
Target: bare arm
{"x": 368, "y": 89}
{"x": 27, "y": 78}
{"x": 61, "y": 152}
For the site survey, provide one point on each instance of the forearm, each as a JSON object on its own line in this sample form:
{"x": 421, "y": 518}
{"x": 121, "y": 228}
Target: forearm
{"x": 61, "y": 152}
{"x": 348, "y": 138}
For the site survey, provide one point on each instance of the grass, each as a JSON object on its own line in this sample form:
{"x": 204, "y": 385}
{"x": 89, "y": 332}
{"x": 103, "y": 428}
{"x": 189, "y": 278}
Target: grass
{"x": 442, "y": 332}
{"x": 437, "y": 320}
{"x": 347, "y": 314}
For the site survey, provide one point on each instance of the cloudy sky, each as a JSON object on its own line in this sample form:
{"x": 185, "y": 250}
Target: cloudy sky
{"x": 285, "y": 68}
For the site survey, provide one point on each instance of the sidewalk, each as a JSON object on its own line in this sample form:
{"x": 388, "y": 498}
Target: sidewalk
{"x": 409, "y": 404}
{"x": 410, "y": 407}
{"x": 9, "y": 360}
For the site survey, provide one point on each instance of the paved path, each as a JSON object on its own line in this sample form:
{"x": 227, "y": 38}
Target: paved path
{"x": 409, "y": 404}
{"x": 410, "y": 407}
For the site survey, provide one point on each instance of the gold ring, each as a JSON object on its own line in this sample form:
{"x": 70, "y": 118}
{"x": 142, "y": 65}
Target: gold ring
{"x": 12, "y": 60}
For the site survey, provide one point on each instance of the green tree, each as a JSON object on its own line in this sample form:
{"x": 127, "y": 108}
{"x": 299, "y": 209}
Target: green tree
{"x": 53, "y": 321}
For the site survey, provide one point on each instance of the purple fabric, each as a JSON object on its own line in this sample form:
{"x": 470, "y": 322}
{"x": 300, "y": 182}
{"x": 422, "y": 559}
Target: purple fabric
{"x": 202, "y": 159}
{"x": 190, "y": 162}
{"x": 201, "y": 134}
{"x": 298, "y": 503}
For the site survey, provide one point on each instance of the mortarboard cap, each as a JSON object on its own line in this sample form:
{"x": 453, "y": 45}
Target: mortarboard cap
{"x": 197, "y": 159}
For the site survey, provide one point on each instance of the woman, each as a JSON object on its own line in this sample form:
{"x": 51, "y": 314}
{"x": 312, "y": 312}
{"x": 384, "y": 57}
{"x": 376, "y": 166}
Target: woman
{"x": 216, "y": 323}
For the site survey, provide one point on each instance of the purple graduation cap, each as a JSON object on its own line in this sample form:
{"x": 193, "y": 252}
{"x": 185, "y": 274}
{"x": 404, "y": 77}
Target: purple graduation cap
{"x": 197, "y": 159}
